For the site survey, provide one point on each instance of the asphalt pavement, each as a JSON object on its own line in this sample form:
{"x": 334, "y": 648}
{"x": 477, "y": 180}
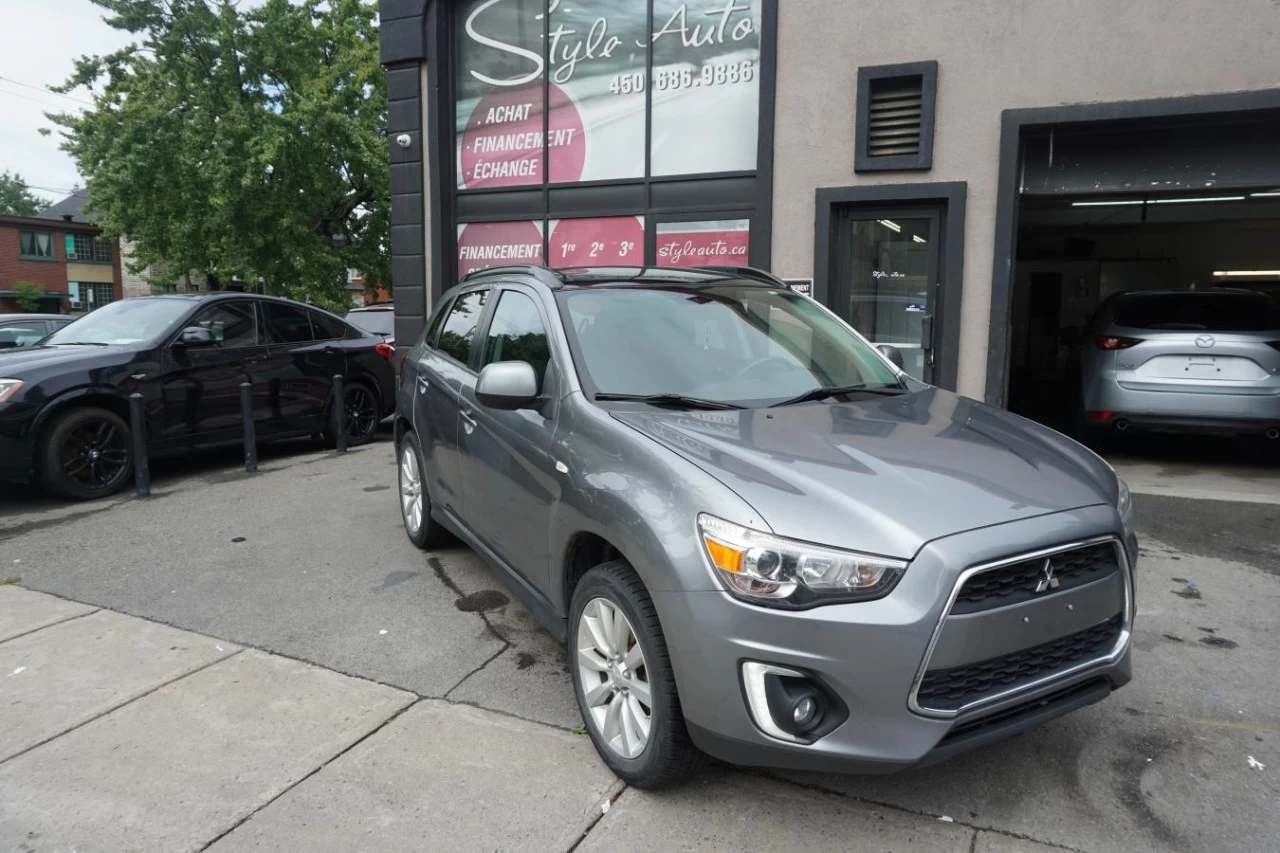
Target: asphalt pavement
{"x": 305, "y": 565}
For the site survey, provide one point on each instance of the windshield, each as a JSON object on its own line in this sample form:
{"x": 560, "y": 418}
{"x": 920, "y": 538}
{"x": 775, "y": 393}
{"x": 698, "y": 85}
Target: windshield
{"x": 128, "y": 321}
{"x": 1199, "y": 312}
{"x": 726, "y": 342}
{"x": 374, "y": 322}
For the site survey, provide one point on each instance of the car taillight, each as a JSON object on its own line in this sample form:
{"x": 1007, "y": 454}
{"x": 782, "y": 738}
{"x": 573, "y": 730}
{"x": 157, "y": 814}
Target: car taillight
{"x": 1110, "y": 342}
{"x": 387, "y": 351}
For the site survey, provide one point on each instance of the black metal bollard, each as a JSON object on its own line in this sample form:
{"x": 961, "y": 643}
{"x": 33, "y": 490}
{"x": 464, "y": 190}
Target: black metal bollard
{"x": 339, "y": 414}
{"x": 250, "y": 437}
{"x": 138, "y": 428}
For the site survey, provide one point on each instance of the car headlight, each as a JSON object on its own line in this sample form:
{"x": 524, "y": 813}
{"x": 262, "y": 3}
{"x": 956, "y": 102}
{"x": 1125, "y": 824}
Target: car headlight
{"x": 9, "y": 387}
{"x": 767, "y": 569}
{"x": 1124, "y": 503}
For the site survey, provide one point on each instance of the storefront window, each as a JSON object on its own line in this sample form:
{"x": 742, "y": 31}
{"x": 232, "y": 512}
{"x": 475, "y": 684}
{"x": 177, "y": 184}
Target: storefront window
{"x": 706, "y": 86}
{"x": 604, "y": 241}
{"x": 721, "y": 242}
{"x": 491, "y": 244}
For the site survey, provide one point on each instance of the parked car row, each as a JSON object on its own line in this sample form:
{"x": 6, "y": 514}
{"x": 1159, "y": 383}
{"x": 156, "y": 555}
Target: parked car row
{"x": 64, "y": 415}
{"x": 760, "y": 539}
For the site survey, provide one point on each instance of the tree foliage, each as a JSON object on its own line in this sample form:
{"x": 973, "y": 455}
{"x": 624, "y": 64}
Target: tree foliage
{"x": 241, "y": 143}
{"x": 27, "y": 295}
{"x": 16, "y": 199}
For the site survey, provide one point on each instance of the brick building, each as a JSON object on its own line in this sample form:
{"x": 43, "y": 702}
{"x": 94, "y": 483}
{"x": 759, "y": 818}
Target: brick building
{"x": 60, "y": 252}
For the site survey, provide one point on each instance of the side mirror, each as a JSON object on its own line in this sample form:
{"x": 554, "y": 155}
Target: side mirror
{"x": 196, "y": 336}
{"x": 893, "y": 354}
{"x": 507, "y": 385}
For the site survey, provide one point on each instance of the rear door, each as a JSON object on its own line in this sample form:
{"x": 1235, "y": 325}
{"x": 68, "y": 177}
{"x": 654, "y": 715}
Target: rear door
{"x": 444, "y": 370}
{"x": 301, "y": 368}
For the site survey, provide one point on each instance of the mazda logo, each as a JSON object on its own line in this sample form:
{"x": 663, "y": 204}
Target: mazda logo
{"x": 1046, "y": 581}
{"x": 1205, "y": 341}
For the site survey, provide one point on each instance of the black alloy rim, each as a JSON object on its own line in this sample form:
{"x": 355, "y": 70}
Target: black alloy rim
{"x": 96, "y": 454}
{"x": 362, "y": 413}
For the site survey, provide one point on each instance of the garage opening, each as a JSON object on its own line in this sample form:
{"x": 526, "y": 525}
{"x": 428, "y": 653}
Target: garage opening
{"x": 1146, "y": 275}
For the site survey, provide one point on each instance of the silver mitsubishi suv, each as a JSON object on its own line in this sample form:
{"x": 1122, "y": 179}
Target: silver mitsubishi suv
{"x": 760, "y": 539}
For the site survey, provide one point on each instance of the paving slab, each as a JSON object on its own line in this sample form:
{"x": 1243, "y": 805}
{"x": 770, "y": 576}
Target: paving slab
{"x": 174, "y": 769}
{"x": 730, "y": 812}
{"x": 441, "y": 777}
{"x": 22, "y": 610}
{"x": 62, "y": 676}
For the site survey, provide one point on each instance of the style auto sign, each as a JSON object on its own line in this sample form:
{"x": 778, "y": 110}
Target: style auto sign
{"x": 595, "y": 68}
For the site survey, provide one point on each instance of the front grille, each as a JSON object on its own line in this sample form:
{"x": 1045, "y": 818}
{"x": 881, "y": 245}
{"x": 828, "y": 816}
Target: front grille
{"x": 1016, "y": 582}
{"x": 952, "y": 689}
{"x": 1012, "y": 715}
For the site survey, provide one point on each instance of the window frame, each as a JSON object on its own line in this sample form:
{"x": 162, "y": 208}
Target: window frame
{"x": 258, "y": 319}
{"x": 482, "y": 327}
{"x": 24, "y": 256}
{"x": 922, "y": 160}
{"x": 501, "y": 289}
{"x": 95, "y": 243}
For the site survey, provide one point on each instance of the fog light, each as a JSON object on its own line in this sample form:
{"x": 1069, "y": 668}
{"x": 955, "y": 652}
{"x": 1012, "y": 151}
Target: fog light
{"x": 789, "y": 704}
{"x": 806, "y": 709}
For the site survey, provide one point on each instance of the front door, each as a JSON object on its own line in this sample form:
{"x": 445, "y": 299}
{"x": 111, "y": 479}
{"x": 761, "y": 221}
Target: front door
{"x": 885, "y": 279}
{"x": 200, "y": 385}
{"x": 507, "y": 472}
{"x": 301, "y": 370}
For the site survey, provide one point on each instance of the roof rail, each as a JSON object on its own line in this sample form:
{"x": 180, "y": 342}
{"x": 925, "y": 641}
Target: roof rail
{"x": 543, "y": 274}
{"x": 748, "y": 273}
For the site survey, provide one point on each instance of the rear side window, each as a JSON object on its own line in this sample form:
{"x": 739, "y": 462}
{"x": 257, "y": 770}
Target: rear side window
{"x": 429, "y": 336}
{"x": 287, "y": 325}
{"x": 459, "y": 330}
{"x": 327, "y": 328}
{"x": 1199, "y": 312}
{"x": 517, "y": 334}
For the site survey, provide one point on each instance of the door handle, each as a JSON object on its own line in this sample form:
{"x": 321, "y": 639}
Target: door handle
{"x": 423, "y": 385}
{"x": 926, "y": 332}
{"x": 468, "y": 422}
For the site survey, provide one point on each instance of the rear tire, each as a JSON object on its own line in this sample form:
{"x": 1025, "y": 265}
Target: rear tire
{"x": 362, "y": 415}
{"x": 667, "y": 754}
{"x": 85, "y": 454}
{"x": 415, "y": 501}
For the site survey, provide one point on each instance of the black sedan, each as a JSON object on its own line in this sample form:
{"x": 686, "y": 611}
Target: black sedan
{"x": 64, "y": 413}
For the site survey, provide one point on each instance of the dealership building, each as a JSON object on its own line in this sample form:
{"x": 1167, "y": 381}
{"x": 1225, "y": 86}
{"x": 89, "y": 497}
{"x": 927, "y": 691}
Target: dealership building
{"x": 963, "y": 179}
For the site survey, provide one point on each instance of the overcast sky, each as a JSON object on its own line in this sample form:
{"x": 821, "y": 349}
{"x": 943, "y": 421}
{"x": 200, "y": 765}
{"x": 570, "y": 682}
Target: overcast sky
{"x": 39, "y": 42}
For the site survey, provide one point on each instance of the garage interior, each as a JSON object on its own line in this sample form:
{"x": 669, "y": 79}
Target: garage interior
{"x": 1170, "y": 205}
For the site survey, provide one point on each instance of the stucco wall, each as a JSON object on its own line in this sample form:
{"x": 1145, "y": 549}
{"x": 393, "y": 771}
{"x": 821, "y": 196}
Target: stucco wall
{"x": 993, "y": 55}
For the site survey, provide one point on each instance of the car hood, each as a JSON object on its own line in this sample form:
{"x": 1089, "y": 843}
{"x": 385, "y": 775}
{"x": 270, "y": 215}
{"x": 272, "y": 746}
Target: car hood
{"x": 15, "y": 362}
{"x": 885, "y": 476}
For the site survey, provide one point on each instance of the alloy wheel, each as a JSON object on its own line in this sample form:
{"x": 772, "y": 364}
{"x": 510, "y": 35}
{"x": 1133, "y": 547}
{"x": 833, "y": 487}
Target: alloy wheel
{"x": 95, "y": 455}
{"x": 411, "y": 501}
{"x": 362, "y": 413}
{"x": 614, "y": 679}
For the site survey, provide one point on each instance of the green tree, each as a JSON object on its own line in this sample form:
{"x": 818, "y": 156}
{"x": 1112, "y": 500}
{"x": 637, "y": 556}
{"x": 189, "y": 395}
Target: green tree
{"x": 241, "y": 143}
{"x": 27, "y": 295}
{"x": 16, "y": 199}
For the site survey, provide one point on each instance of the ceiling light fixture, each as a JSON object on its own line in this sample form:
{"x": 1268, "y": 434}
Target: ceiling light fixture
{"x": 1245, "y": 273}
{"x": 890, "y": 224}
{"x": 1198, "y": 200}
{"x": 1117, "y": 203}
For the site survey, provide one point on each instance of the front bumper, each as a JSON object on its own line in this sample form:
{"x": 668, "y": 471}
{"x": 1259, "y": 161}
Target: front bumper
{"x": 871, "y": 654}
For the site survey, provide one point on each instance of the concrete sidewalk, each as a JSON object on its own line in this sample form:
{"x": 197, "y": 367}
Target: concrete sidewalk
{"x": 121, "y": 734}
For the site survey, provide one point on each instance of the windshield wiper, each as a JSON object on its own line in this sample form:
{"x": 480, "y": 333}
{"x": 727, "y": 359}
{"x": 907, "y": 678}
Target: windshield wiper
{"x": 79, "y": 344}
{"x": 666, "y": 400}
{"x": 824, "y": 393}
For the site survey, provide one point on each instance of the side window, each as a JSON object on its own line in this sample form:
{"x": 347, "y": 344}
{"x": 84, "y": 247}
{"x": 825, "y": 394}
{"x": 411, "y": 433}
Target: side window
{"x": 14, "y": 335}
{"x": 327, "y": 328}
{"x": 429, "y": 336}
{"x": 517, "y": 334}
{"x": 460, "y": 326}
{"x": 286, "y": 324}
{"x": 234, "y": 324}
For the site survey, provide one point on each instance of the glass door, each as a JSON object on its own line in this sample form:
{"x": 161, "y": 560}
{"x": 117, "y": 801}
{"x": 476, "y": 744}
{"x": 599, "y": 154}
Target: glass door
{"x": 884, "y": 279}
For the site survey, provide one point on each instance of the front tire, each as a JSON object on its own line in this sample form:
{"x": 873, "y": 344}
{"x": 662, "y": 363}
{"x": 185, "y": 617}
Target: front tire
{"x": 415, "y": 503}
{"x": 623, "y": 681}
{"x": 85, "y": 454}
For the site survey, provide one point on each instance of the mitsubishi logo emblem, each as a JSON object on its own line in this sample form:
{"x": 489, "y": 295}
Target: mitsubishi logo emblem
{"x": 1046, "y": 581}
{"x": 1205, "y": 341}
